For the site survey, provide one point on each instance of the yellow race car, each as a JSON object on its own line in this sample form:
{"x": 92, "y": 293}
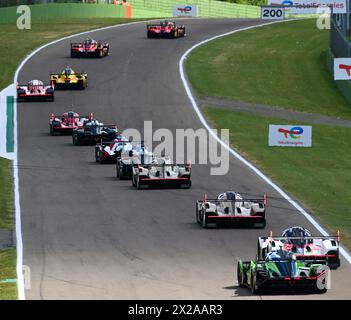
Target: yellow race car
{"x": 69, "y": 79}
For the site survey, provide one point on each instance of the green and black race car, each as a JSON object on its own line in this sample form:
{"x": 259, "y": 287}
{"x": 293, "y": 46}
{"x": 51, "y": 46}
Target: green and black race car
{"x": 275, "y": 273}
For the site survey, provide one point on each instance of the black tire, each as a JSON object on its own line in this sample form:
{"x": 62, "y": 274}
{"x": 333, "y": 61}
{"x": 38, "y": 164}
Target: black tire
{"x": 138, "y": 186}
{"x": 149, "y": 34}
{"x": 254, "y": 288}
{"x": 52, "y": 130}
{"x": 240, "y": 276}
{"x": 96, "y": 155}
{"x": 197, "y": 213}
{"x": 75, "y": 140}
{"x": 117, "y": 169}
{"x": 204, "y": 220}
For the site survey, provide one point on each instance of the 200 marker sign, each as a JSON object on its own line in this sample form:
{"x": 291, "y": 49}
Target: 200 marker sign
{"x": 272, "y": 13}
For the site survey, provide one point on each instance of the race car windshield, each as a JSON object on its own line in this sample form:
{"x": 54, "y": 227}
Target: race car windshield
{"x": 68, "y": 71}
{"x": 88, "y": 42}
{"x": 297, "y": 232}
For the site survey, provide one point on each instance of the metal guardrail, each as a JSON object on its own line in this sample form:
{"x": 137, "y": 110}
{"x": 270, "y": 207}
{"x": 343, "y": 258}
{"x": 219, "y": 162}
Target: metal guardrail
{"x": 339, "y": 43}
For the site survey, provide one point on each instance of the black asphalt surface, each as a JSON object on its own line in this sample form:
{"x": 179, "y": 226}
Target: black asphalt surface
{"x": 89, "y": 236}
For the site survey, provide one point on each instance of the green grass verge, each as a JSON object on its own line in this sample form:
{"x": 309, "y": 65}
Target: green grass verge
{"x": 279, "y": 65}
{"x": 8, "y": 290}
{"x": 15, "y": 45}
{"x": 6, "y": 195}
{"x": 319, "y": 176}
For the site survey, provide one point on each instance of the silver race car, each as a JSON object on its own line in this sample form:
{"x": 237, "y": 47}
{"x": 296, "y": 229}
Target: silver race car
{"x": 161, "y": 172}
{"x": 231, "y": 208}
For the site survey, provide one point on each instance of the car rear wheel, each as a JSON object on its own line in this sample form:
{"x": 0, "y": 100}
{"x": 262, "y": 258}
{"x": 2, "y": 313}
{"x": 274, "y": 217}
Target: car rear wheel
{"x": 204, "y": 220}
{"x": 197, "y": 213}
{"x": 240, "y": 276}
{"x": 254, "y": 287}
{"x": 75, "y": 139}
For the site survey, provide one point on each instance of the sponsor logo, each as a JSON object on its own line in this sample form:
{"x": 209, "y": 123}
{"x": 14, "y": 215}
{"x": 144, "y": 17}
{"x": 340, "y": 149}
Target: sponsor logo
{"x": 345, "y": 67}
{"x": 294, "y": 133}
{"x": 185, "y": 9}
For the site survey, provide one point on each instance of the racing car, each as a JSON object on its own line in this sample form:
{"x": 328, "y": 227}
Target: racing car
{"x": 109, "y": 151}
{"x": 35, "y": 90}
{"x": 132, "y": 154}
{"x": 92, "y": 132}
{"x": 299, "y": 241}
{"x": 165, "y": 29}
{"x": 90, "y": 48}
{"x": 161, "y": 173}
{"x": 69, "y": 79}
{"x": 231, "y": 208}
{"x": 68, "y": 122}
{"x": 279, "y": 271}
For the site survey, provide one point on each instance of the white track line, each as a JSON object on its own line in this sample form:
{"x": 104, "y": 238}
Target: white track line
{"x": 232, "y": 151}
{"x": 19, "y": 241}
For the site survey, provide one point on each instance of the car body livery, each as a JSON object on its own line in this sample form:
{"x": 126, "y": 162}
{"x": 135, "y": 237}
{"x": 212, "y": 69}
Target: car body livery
{"x": 67, "y": 122}
{"x": 299, "y": 241}
{"x": 69, "y": 79}
{"x": 93, "y": 132}
{"x": 231, "y": 208}
{"x": 109, "y": 151}
{"x": 35, "y": 90}
{"x": 90, "y": 48}
{"x": 281, "y": 272}
{"x": 165, "y": 29}
{"x": 132, "y": 154}
{"x": 161, "y": 172}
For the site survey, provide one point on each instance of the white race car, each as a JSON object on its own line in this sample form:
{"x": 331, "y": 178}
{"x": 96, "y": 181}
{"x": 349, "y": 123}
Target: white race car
{"x": 161, "y": 172}
{"x": 35, "y": 90}
{"x": 231, "y": 208}
{"x": 299, "y": 242}
{"x": 131, "y": 154}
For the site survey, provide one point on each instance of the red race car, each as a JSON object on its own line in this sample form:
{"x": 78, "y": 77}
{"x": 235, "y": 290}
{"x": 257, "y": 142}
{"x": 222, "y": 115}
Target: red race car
{"x": 68, "y": 122}
{"x": 90, "y": 48}
{"x": 166, "y": 29}
{"x": 35, "y": 90}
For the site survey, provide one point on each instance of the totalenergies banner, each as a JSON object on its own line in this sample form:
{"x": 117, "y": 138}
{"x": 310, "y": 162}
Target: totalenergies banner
{"x": 185, "y": 10}
{"x": 309, "y": 6}
{"x": 290, "y": 136}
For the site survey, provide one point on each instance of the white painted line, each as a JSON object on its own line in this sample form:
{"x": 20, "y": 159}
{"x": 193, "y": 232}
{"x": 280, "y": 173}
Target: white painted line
{"x": 19, "y": 240}
{"x": 232, "y": 151}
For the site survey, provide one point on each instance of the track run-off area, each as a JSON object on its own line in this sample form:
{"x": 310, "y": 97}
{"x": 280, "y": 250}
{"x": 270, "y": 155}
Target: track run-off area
{"x": 87, "y": 235}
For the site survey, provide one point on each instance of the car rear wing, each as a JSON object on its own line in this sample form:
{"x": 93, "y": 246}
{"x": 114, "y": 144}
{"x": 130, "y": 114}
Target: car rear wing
{"x": 286, "y": 239}
{"x": 262, "y": 200}
{"x": 77, "y": 74}
{"x": 337, "y": 237}
{"x": 35, "y": 86}
{"x": 110, "y": 126}
{"x": 186, "y": 165}
{"x": 106, "y": 143}
{"x": 90, "y": 116}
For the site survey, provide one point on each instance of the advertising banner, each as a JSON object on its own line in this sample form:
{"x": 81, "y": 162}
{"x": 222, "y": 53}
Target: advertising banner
{"x": 185, "y": 11}
{"x": 309, "y": 6}
{"x": 290, "y": 136}
{"x": 342, "y": 68}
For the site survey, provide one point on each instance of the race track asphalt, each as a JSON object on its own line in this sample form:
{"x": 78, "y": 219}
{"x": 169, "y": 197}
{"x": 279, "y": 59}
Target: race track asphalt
{"x": 89, "y": 236}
